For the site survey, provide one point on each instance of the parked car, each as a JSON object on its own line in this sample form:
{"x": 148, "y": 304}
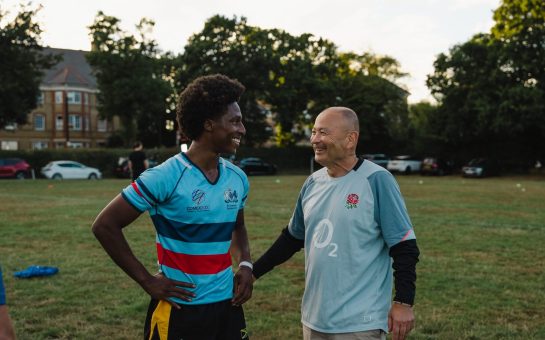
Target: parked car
{"x": 481, "y": 167}
{"x": 14, "y": 168}
{"x": 436, "y": 166}
{"x": 377, "y": 158}
{"x": 405, "y": 164}
{"x": 69, "y": 170}
{"x": 122, "y": 167}
{"x": 255, "y": 166}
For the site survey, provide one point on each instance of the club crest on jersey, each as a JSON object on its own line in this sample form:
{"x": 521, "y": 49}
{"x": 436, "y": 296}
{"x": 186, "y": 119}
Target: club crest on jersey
{"x": 352, "y": 201}
{"x": 198, "y": 197}
{"x": 231, "y": 198}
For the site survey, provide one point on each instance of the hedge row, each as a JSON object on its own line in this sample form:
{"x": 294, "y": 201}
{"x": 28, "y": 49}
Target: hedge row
{"x": 288, "y": 160}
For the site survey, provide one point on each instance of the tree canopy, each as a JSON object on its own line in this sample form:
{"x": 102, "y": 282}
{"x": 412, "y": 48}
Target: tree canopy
{"x": 491, "y": 89}
{"x": 292, "y": 78}
{"x": 130, "y": 78}
{"x": 22, "y": 66}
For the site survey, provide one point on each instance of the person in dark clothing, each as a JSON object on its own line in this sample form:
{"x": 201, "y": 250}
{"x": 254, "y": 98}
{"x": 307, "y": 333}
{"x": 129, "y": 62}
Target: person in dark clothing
{"x": 138, "y": 162}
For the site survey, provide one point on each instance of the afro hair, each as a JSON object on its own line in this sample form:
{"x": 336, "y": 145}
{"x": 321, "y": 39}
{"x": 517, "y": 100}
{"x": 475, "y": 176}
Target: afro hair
{"x": 206, "y": 97}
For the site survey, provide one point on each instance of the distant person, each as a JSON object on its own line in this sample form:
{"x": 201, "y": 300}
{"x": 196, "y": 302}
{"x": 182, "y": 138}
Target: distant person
{"x": 351, "y": 220}
{"x": 6, "y": 328}
{"x": 138, "y": 162}
{"x": 196, "y": 202}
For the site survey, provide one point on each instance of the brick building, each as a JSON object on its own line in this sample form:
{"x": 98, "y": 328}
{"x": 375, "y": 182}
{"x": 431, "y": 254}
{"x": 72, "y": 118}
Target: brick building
{"x": 66, "y": 115}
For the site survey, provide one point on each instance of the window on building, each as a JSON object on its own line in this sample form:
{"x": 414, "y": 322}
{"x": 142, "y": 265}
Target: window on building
{"x": 9, "y": 145}
{"x": 74, "y": 97}
{"x": 39, "y": 145}
{"x": 76, "y": 145}
{"x": 10, "y": 127}
{"x": 40, "y": 100}
{"x": 59, "y": 123}
{"x": 39, "y": 122}
{"x": 102, "y": 125}
{"x": 58, "y": 97}
{"x": 75, "y": 122}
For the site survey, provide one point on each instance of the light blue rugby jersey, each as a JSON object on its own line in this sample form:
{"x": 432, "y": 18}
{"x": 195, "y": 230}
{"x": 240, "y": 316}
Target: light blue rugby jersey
{"x": 348, "y": 225}
{"x": 194, "y": 220}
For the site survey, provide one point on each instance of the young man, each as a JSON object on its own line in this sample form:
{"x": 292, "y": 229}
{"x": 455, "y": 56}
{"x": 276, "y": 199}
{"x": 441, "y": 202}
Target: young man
{"x": 350, "y": 218}
{"x": 195, "y": 200}
{"x": 6, "y": 328}
{"x": 138, "y": 162}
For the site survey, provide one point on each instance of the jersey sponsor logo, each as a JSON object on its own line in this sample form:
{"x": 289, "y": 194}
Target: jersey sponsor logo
{"x": 352, "y": 201}
{"x": 323, "y": 234}
{"x": 198, "y": 197}
{"x": 231, "y": 198}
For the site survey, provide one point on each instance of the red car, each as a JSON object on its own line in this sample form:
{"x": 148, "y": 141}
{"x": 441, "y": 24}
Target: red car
{"x": 14, "y": 168}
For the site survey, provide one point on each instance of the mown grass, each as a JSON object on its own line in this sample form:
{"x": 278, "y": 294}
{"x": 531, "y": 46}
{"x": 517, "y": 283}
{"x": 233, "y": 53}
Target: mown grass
{"x": 481, "y": 274}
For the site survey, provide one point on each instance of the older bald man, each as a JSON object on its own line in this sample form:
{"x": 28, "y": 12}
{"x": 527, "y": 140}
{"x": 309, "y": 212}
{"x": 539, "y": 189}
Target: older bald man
{"x": 352, "y": 221}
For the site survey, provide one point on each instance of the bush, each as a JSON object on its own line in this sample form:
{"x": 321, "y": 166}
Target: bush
{"x": 288, "y": 160}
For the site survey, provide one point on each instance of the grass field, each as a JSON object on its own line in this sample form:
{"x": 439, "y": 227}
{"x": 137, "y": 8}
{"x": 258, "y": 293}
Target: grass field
{"x": 481, "y": 274}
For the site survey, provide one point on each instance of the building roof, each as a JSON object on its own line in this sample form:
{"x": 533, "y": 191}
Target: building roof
{"x": 71, "y": 70}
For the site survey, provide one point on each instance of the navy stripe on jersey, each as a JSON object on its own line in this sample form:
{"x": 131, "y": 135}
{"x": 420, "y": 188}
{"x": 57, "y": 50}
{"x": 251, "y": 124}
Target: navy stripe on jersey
{"x": 146, "y": 190}
{"x": 209, "y": 232}
{"x": 129, "y": 201}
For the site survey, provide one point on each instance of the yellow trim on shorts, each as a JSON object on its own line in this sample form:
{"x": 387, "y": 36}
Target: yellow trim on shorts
{"x": 160, "y": 319}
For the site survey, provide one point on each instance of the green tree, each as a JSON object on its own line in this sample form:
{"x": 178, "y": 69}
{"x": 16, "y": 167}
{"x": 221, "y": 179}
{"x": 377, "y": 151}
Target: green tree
{"x": 361, "y": 84}
{"x": 22, "y": 66}
{"x": 293, "y": 78}
{"x": 423, "y": 131}
{"x": 466, "y": 82}
{"x": 303, "y": 67}
{"x": 240, "y": 51}
{"x": 382, "y": 109}
{"x": 130, "y": 78}
{"x": 491, "y": 89}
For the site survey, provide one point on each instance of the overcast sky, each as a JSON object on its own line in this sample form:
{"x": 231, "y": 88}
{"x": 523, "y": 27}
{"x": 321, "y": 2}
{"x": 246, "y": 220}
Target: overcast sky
{"x": 411, "y": 31}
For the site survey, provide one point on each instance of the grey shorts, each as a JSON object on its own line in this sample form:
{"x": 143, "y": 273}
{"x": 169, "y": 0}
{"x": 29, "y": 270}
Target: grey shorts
{"x": 376, "y": 334}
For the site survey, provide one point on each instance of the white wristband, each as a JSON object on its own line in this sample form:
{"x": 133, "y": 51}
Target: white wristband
{"x": 246, "y": 264}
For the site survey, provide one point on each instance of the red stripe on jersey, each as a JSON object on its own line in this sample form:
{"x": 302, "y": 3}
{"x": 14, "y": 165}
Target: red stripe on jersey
{"x": 193, "y": 264}
{"x": 407, "y": 234}
{"x": 135, "y": 187}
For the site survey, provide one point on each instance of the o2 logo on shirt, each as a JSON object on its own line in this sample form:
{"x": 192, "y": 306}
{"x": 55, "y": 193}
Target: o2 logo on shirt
{"x": 323, "y": 235}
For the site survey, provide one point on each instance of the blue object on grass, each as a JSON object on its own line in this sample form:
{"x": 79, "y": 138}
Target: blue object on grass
{"x": 33, "y": 271}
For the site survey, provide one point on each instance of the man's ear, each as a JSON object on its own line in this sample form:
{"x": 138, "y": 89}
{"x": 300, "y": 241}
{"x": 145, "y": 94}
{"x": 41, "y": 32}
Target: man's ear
{"x": 208, "y": 125}
{"x": 353, "y": 138}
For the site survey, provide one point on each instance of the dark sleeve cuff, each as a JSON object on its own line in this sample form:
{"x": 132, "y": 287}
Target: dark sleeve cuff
{"x": 405, "y": 257}
{"x": 282, "y": 249}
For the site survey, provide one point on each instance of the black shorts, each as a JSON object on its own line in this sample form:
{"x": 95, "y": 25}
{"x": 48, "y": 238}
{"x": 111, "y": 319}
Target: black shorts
{"x": 213, "y": 321}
